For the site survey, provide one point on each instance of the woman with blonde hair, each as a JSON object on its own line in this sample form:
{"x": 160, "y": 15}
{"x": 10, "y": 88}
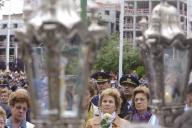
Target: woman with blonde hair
{"x": 19, "y": 102}
{"x": 142, "y": 113}
{"x": 109, "y": 104}
{"x": 3, "y": 118}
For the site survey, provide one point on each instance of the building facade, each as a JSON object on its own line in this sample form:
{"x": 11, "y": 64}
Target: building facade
{"x": 16, "y": 22}
{"x": 107, "y": 14}
{"x": 134, "y": 10}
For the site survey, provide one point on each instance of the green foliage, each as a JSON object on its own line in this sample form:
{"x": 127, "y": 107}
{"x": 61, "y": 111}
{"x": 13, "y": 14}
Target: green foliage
{"x": 140, "y": 71}
{"x": 105, "y": 123}
{"x": 108, "y": 56}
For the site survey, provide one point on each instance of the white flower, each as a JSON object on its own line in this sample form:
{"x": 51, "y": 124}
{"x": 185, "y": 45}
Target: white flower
{"x": 107, "y": 116}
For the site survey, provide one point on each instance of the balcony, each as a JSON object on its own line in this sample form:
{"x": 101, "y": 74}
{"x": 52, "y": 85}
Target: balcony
{"x": 128, "y": 25}
{"x": 3, "y": 44}
{"x": 142, "y": 11}
{"x": 182, "y": 12}
{"x": 129, "y": 11}
{"x": 3, "y": 58}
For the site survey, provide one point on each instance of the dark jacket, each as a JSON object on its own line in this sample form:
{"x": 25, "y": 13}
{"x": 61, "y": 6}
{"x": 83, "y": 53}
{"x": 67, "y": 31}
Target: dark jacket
{"x": 124, "y": 111}
{"x": 95, "y": 100}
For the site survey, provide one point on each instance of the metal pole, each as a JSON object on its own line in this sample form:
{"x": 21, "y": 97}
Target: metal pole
{"x": 121, "y": 25}
{"x": 84, "y": 11}
{"x": 134, "y": 24}
{"x": 8, "y": 37}
{"x": 16, "y": 52}
{"x": 189, "y": 17}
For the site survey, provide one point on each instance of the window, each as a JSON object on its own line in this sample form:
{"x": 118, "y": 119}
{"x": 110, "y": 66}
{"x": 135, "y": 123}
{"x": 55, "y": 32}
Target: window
{"x": 15, "y": 25}
{"x": 107, "y": 12}
{"x": 4, "y": 26}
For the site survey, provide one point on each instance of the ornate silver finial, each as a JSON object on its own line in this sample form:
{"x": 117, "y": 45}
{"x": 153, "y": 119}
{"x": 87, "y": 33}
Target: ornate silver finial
{"x": 164, "y": 22}
{"x": 56, "y": 11}
{"x": 66, "y": 42}
{"x": 166, "y": 53}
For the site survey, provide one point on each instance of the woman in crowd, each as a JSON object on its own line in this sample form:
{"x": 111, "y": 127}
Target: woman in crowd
{"x": 109, "y": 104}
{"x": 4, "y": 96}
{"x": 19, "y": 102}
{"x": 142, "y": 113}
{"x": 3, "y": 118}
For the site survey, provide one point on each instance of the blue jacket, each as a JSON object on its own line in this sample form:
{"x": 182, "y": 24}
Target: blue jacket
{"x": 95, "y": 100}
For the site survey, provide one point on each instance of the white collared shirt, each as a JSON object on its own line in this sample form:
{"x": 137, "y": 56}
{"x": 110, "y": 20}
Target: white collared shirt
{"x": 129, "y": 104}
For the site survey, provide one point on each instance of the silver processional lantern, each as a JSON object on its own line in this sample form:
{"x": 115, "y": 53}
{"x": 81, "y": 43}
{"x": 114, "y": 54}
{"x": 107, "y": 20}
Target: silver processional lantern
{"x": 58, "y": 50}
{"x": 167, "y": 59}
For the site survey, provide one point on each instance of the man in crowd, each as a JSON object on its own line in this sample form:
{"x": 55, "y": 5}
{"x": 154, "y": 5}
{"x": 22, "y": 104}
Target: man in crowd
{"x": 128, "y": 84}
{"x": 102, "y": 81}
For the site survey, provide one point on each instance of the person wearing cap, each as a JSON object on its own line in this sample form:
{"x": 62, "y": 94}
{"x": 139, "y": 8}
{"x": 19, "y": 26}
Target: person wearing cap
{"x": 128, "y": 84}
{"x": 102, "y": 81}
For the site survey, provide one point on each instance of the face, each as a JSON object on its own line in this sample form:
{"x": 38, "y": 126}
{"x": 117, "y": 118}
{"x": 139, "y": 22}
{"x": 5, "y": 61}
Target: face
{"x": 128, "y": 89}
{"x": 189, "y": 99}
{"x": 2, "y": 122}
{"x": 4, "y": 97}
{"x": 18, "y": 111}
{"x": 102, "y": 86}
{"x": 141, "y": 102}
{"x": 108, "y": 104}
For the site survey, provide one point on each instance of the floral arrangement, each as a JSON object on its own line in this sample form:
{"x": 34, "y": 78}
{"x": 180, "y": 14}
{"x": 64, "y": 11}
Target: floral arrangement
{"x": 105, "y": 122}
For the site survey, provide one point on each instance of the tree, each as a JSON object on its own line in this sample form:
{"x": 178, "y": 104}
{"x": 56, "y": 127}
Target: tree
{"x": 108, "y": 56}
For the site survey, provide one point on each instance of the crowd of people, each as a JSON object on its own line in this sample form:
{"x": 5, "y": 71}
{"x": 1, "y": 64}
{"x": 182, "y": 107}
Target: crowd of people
{"x": 108, "y": 105}
{"x": 14, "y": 100}
{"x": 116, "y": 107}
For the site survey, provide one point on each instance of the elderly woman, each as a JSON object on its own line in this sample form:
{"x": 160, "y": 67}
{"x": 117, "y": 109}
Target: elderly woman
{"x": 109, "y": 104}
{"x": 19, "y": 103}
{"x": 142, "y": 113}
{"x": 3, "y": 118}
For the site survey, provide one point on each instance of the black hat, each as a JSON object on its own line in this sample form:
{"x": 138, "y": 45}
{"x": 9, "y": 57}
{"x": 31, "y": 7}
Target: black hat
{"x": 129, "y": 79}
{"x": 101, "y": 77}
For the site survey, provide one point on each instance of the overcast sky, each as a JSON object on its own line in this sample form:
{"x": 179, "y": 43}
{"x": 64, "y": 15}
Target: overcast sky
{"x": 17, "y": 5}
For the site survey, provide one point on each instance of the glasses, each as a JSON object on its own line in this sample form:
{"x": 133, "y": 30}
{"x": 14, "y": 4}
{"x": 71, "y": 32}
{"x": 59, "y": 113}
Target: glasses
{"x": 140, "y": 99}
